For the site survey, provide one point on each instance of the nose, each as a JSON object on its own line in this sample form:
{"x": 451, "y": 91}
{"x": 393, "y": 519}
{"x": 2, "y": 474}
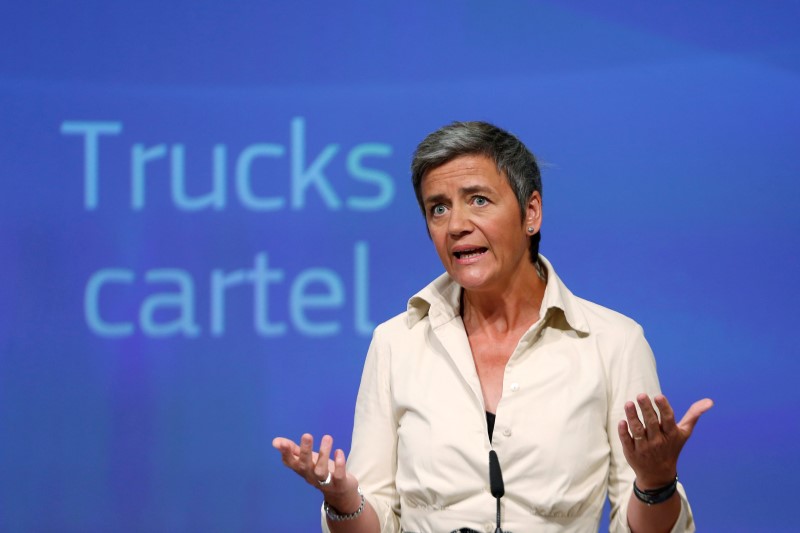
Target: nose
{"x": 459, "y": 223}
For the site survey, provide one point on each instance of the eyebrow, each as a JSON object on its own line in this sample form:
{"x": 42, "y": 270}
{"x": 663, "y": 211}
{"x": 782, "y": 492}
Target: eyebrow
{"x": 463, "y": 191}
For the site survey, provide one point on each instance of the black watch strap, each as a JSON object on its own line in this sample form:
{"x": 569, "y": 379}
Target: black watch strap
{"x": 659, "y": 495}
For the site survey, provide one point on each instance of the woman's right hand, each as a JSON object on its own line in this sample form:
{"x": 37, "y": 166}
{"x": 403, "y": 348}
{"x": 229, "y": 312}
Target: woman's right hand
{"x": 314, "y": 467}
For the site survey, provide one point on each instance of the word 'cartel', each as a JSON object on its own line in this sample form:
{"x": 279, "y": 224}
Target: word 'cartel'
{"x": 313, "y": 291}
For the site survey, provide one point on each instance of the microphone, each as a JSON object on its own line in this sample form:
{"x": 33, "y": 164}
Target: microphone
{"x": 496, "y": 484}
{"x": 497, "y": 489}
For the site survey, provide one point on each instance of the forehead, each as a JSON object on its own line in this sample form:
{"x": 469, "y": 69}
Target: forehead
{"x": 465, "y": 171}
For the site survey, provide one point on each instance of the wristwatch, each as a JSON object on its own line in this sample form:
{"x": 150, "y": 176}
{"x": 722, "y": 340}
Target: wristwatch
{"x": 659, "y": 495}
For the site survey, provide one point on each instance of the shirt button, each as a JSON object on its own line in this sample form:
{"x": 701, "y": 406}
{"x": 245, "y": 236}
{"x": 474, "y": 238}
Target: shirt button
{"x": 514, "y": 387}
{"x": 507, "y": 432}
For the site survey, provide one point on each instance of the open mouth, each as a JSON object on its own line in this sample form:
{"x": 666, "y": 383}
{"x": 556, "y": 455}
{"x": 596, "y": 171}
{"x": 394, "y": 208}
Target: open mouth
{"x": 472, "y": 252}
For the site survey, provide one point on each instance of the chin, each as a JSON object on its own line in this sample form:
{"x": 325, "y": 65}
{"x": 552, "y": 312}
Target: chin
{"x": 470, "y": 282}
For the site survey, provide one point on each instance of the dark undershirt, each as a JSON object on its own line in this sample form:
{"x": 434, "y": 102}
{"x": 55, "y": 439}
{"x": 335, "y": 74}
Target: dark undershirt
{"x": 490, "y": 423}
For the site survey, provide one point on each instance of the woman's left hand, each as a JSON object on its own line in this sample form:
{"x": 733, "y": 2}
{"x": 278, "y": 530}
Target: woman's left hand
{"x": 652, "y": 447}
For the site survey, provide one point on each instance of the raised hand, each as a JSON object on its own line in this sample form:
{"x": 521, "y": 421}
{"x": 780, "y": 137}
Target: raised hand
{"x": 319, "y": 470}
{"x": 652, "y": 447}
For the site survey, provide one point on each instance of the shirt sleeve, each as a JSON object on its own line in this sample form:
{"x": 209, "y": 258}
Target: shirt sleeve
{"x": 632, "y": 372}
{"x": 373, "y": 455}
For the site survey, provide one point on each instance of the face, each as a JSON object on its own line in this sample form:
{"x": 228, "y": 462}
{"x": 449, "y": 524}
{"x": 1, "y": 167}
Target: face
{"x": 475, "y": 224}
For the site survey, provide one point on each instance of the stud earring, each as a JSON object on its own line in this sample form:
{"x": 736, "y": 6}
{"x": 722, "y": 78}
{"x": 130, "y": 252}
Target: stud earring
{"x": 530, "y": 230}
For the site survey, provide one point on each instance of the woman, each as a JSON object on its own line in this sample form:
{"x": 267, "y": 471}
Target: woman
{"x": 498, "y": 354}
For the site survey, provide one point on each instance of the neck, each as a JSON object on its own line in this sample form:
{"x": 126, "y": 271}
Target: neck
{"x": 513, "y": 305}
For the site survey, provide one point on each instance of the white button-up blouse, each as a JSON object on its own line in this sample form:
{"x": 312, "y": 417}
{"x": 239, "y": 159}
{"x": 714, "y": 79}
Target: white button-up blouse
{"x": 420, "y": 446}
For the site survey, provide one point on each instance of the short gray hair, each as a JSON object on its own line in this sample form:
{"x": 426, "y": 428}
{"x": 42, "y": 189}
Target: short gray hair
{"x": 512, "y": 157}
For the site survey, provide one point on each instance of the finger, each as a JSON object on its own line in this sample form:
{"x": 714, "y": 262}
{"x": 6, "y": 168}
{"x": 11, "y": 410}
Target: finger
{"x": 649, "y": 415}
{"x": 340, "y": 469}
{"x": 634, "y": 424}
{"x": 668, "y": 424}
{"x": 691, "y": 417}
{"x": 288, "y": 450}
{"x": 281, "y": 444}
{"x": 306, "y": 450}
{"x": 321, "y": 468}
{"x": 625, "y": 437}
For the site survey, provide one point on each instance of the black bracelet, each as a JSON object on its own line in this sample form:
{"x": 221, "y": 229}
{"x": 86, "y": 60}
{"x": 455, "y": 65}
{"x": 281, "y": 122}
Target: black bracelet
{"x": 659, "y": 495}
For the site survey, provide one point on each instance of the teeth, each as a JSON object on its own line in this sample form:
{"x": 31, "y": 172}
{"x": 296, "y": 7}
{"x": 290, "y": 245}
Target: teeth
{"x": 468, "y": 253}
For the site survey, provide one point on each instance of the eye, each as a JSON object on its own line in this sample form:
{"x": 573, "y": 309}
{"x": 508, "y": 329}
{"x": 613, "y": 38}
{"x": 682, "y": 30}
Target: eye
{"x": 438, "y": 210}
{"x": 480, "y": 201}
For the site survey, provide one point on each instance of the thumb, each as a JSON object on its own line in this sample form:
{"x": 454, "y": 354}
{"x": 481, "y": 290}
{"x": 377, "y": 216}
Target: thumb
{"x": 691, "y": 417}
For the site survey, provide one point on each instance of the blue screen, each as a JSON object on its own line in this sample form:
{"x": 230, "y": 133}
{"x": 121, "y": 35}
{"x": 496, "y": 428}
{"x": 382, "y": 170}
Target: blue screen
{"x": 207, "y": 208}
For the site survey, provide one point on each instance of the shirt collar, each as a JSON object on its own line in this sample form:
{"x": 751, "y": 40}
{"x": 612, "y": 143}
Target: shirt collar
{"x": 440, "y": 301}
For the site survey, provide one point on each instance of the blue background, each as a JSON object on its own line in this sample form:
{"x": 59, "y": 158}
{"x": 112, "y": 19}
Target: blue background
{"x": 668, "y": 135}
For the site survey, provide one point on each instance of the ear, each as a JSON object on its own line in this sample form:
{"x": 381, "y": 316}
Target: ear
{"x": 533, "y": 213}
